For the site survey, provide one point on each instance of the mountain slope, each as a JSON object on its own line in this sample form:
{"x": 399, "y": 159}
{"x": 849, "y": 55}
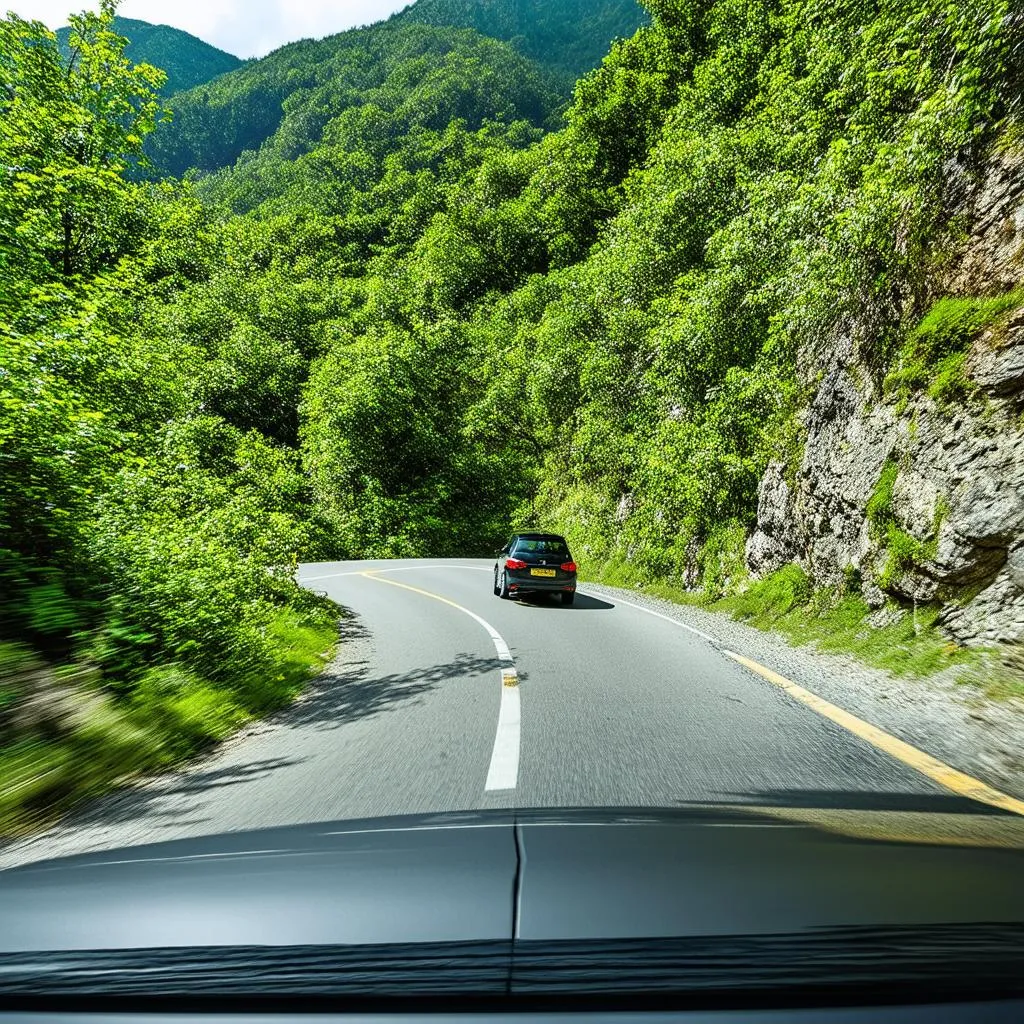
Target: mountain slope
{"x": 187, "y": 60}
{"x": 424, "y": 75}
{"x": 434, "y": 96}
{"x": 571, "y": 36}
{"x": 297, "y": 89}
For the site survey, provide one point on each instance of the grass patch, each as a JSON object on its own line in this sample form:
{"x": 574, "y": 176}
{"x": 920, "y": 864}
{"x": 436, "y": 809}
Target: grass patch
{"x": 784, "y": 601}
{"x": 994, "y": 678}
{"x": 950, "y": 383}
{"x": 904, "y": 552}
{"x": 40, "y": 776}
{"x": 879, "y": 507}
{"x": 911, "y": 646}
{"x": 769, "y": 600}
{"x": 171, "y": 715}
{"x": 933, "y": 357}
{"x": 615, "y": 572}
{"x": 678, "y": 595}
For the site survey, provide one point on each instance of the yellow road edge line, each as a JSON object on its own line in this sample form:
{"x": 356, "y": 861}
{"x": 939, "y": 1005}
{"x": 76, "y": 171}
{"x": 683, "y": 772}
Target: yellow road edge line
{"x": 936, "y": 770}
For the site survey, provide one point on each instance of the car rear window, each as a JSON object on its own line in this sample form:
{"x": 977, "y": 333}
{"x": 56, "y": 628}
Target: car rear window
{"x": 542, "y": 545}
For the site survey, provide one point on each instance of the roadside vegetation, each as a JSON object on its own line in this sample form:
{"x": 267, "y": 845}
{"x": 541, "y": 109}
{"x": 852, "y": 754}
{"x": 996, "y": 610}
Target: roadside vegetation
{"x": 68, "y": 734}
{"x": 147, "y": 600}
{"x": 933, "y": 356}
{"x": 412, "y": 295}
{"x": 903, "y": 641}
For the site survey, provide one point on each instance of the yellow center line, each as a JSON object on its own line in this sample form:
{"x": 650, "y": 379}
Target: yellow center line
{"x": 371, "y": 574}
{"x": 936, "y": 770}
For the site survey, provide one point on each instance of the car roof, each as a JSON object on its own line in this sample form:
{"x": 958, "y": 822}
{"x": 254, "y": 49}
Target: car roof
{"x": 538, "y": 535}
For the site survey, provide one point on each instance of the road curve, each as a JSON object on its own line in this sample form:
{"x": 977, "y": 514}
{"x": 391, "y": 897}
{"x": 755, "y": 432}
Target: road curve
{"x": 445, "y": 698}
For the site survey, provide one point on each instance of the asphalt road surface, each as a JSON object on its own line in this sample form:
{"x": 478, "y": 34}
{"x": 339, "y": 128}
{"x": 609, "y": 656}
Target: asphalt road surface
{"x": 446, "y": 698}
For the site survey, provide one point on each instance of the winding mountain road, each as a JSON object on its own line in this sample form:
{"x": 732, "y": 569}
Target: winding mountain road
{"x": 446, "y": 698}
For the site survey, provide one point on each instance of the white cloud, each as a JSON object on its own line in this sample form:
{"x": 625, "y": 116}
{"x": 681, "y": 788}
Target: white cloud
{"x": 248, "y": 28}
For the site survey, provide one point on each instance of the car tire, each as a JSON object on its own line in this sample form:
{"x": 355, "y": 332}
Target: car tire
{"x": 497, "y": 589}
{"x": 568, "y": 597}
{"x": 503, "y": 592}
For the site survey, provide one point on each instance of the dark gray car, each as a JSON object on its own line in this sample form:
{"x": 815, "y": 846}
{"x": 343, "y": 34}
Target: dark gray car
{"x": 731, "y": 909}
{"x": 535, "y": 563}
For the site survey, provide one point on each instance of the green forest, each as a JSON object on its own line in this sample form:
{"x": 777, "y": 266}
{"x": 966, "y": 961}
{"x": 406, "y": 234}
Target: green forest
{"x": 184, "y": 59}
{"x": 392, "y": 293}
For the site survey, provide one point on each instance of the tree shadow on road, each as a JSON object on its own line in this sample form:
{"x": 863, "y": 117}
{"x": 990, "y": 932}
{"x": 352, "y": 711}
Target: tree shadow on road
{"x": 351, "y": 692}
{"x": 345, "y": 692}
{"x": 348, "y": 690}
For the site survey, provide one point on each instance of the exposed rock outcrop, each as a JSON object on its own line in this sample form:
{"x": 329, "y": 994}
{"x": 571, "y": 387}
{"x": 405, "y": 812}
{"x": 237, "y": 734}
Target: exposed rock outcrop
{"x": 996, "y": 361}
{"x": 772, "y": 546}
{"x": 954, "y": 511}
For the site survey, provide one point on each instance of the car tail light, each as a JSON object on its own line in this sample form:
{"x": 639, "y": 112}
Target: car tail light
{"x": 568, "y": 567}
{"x": 514, "y": 563}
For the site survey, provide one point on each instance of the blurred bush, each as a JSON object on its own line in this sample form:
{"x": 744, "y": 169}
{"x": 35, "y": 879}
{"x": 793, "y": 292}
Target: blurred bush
{"x": 148, "y": 530}
{"x": 66, "y": 734}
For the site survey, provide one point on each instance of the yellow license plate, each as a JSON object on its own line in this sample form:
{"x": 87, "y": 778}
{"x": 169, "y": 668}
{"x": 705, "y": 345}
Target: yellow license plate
{"x": 547, "y": 573}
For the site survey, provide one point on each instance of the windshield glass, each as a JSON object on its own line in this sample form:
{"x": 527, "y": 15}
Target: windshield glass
{"x": 540, "y": 546}
{"x": 442, "y": 415}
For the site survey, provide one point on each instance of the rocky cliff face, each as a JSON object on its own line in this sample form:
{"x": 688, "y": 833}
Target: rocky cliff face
{"x": 944, "y": 483}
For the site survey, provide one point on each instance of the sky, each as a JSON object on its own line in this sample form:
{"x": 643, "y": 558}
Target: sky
{"x": 246, "y": 28}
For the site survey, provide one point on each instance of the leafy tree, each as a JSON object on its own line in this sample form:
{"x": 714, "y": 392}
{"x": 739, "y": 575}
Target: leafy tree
{"x": 70, "y": 128}
{"x": 139, "y": 528}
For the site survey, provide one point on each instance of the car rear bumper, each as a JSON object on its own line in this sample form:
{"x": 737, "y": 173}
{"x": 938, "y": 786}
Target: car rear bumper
{"x": 524, "y": 583}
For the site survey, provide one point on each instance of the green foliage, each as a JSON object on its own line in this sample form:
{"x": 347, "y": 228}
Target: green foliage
{"x": 365, "y": 90}
{"x": 904, "y": 551}
{"x": 186, "y": 60}
{"x": 152, "y": 501}
{"x": 613, "y": 311}
{"x": 951, "y": 323}
{"x": 69, "y": 128}
{"x": 949, "y": 384}
{"x": 769, "y": 599}
{"x": 934, "y": 354}
{"x": 171, "y": 715}
{"x": 453, "y": 318}
{"x": 909, "y": 645}
{"x": 569, "y": 35}
{"x": 879, "y": 507}
{"x": 416, "y": 301}
{"x": 428, "y": 65}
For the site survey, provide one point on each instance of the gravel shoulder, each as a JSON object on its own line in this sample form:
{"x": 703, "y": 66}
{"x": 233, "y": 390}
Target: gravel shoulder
{"x": 950, "y": 721}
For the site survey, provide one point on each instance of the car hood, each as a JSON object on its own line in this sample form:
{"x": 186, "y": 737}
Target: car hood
{"x": 540, "y": 875}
